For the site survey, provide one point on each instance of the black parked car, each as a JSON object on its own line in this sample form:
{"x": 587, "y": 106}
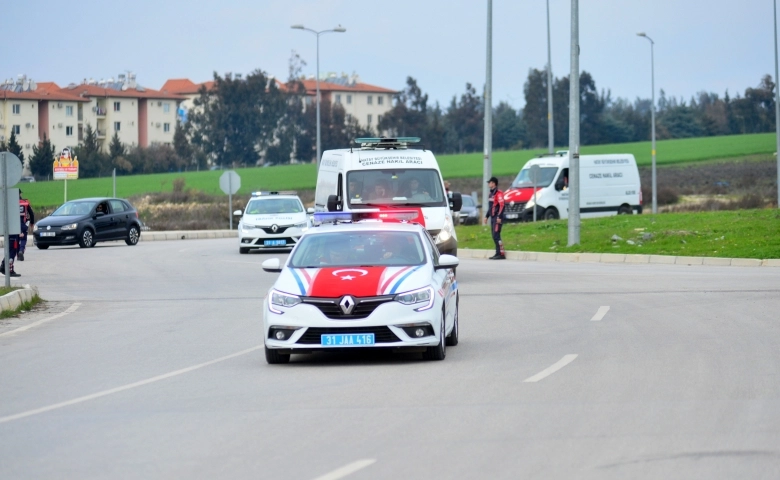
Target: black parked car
{"x": 469, "y": 212}
{"x": 87, "y": 221}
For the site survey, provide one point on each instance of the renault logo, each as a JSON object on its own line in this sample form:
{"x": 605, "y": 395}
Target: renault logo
{"x": 347, "y": 304}
{"x": 274, "y": 227}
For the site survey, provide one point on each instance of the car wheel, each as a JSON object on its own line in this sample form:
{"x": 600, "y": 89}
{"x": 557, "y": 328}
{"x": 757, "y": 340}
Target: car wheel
{"x": 551, "y": 214}
{"x": 42, "y": 247}
{"x": 133, "y": 235}
{"x": 439, "y": 351}
{"x": 624, "y": 210}
{"x": 273, "y": 357}
{"x": 243, "y": 250}
{"x": 452, "y": 339}
{"x": 87, "y": 239}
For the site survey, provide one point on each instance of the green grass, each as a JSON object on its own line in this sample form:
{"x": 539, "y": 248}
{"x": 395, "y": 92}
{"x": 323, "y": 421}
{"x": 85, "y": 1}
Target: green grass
{"x": 453, "y": 166}
{"x": 728, "y": 234}
{"x": 24, "y": 307}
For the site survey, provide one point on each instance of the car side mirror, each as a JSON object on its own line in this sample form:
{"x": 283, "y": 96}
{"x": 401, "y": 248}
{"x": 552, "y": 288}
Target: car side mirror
{"x": 333, "y": 203}
{"x": 238, "y": 212}
{"x": 310, "y": 210}
{"x": 457, "y": 202}
{"x": 447, "y": 262}
{"x": 272, "y": 265}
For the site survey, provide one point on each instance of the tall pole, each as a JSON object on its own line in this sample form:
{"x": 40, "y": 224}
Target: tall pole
{"x": 777, "y": 111}
{"x": 574, "y": 128}
{"x": 550, "y": 124}
{"x": 6, "y": 225}
{"x": 487, "y": 164}
{"x": 652, "y": 121}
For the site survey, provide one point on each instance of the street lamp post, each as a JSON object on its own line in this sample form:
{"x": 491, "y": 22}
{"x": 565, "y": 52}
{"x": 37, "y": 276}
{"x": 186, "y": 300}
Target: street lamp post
{"x": 338, "y": 29}
{"x": 777, "y": 111}
{"x": 652, "y": 118}
{"x": 487, "y": 162}
{"x": 550, "y": 124}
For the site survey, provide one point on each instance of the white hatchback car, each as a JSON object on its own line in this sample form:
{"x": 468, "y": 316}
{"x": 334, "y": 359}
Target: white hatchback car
{"x": 368, "y": 284}
{"x": 271, "y": 220}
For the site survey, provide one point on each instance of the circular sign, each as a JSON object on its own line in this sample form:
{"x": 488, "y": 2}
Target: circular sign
{"x": 229, "y": 182}
{"x": 13, "y": 168}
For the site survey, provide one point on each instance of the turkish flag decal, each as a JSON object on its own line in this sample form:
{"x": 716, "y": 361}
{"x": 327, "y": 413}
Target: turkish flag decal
{"x": 333, "y": 282}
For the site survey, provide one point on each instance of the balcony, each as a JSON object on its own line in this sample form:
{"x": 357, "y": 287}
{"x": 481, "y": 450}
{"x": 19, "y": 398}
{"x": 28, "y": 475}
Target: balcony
{"x": 100, "y": 133}
{"x": 99, "y": 111}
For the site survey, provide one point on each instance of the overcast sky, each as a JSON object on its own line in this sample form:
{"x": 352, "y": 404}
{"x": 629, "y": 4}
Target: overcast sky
{"x": 710, "y": 45}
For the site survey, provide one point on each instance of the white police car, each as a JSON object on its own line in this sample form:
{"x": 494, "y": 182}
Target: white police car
{"x": 366, "y": 284}
{"x": 271, "y": 220}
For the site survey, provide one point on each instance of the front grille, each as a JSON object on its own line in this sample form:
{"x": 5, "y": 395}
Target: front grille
{"x": 280, "y": 229}
{"x": 364, "y": 306}
{"x": 515, "y": 208}
{"x": 312, "y": 336}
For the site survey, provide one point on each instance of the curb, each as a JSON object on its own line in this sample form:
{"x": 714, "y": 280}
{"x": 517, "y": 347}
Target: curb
{"x": 620, "y": 258}
{"x": 13, "y": 300}
{"x": 187, "y": 235}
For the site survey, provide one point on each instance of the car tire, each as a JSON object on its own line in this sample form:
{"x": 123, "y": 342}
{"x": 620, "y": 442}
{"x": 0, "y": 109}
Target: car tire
{"x": 625, "y": 210}
{"x": 439, "y": 351}
{"x": 42, "y": 247}
{"x": 273, "y": 357}
{"x": 87, "y": 238}
{"x": 243, "y": 250}
{"x": 551, "y": 214}
{"x": 133, "y": 235}
{"x": 452, "y": 338}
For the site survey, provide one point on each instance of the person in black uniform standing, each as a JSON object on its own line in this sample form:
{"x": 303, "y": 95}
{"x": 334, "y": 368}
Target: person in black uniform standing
{"x": 28, "y": 219}
{"x": 495, "y": 213}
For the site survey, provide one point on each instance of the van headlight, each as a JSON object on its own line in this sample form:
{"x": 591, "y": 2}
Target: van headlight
{"x": 530, "y": 204}
{"x": 447, "y": 231}
{"x": 422, "y": 295}
{"x": 283, "y": 300}
{"x": 71, "y": 226}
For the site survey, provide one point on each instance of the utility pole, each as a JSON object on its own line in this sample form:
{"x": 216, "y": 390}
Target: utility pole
{"x": 487, "y": 166}
{"x": 777, "y": 111}
{"x": 550, "y": 124}
{"x": 574, "y": 128}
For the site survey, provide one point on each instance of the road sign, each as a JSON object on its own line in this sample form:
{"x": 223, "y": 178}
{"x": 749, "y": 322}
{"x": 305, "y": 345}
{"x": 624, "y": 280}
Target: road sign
{"x": 229, "y": 182}
{"x": 13, "y": 167}
{"x": 11, "y": 205}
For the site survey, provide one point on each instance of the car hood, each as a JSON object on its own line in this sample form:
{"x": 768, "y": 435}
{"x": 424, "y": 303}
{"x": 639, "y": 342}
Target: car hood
{"x": 334, "y": 282}
{"x": 60, "y": 221}
{"x": 274, "y": 219}
{"x": 519, "y": 194}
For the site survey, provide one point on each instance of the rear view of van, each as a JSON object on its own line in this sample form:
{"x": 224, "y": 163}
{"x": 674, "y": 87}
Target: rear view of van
{"x": 389, "y": 174}
{"x": 609, "y": 185}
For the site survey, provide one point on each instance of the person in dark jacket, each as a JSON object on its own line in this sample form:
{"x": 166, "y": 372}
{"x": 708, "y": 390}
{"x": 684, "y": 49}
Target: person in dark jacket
{"x": 13, "y": 248}
{"x": 28, "y": 219}
{"x": 495, "y": 213}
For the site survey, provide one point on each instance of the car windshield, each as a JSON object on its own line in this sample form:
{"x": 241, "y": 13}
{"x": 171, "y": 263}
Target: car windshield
{"x": 417, "y": 187}
{"x": 74, "y": 208}
{"x": 358, "y": 249}
{"x": 468, "y": 201}
{"x": 545, "y": 178}
{"x": 265, "y": 206}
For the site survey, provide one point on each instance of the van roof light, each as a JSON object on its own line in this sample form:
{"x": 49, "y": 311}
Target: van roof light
{"x": 264, "y": 193}
{"x": 374, "y": 214}
{"x": 372, "y": 143}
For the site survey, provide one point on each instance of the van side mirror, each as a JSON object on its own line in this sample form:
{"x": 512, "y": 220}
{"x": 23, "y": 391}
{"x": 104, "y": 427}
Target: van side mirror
{"x": 457, "y": 202}
{"x": 559, "y": 184}
{"x": 333, "y": 203}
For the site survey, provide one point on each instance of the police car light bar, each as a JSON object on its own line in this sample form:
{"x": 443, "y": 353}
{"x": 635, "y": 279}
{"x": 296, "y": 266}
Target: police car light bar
{"x": 265, "y": 193}
{"x": 377, "y": 142}
{"x": 372, "y": 214}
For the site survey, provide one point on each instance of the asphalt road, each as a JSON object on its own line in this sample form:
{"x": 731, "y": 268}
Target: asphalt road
{"x": 146, "y": 363}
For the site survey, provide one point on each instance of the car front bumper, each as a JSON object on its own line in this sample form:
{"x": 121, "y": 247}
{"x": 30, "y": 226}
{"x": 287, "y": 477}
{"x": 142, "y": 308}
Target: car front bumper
{"x": 61, "y": 238}
{"x": 255, "y": 238}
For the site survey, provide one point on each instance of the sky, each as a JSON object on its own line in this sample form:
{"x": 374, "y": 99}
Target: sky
{"x": 700, "y": 45}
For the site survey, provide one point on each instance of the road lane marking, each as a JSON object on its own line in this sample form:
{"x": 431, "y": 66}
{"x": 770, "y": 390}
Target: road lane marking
{"x": 70, "y": 310}
{"x": 600, "y": 314}
{"x": 567, "y": 359}
{"x": 141, "y": 383}
{"x": 347, "y": 469}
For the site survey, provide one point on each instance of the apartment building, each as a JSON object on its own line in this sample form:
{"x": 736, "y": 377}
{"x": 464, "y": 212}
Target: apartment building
{"x": 184, "y": 87}
{"x": 366, "y": 103}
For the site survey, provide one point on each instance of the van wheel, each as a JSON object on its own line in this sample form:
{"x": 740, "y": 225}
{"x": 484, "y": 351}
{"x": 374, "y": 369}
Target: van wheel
{"x": 551, "y": 214}
{"x": 624, "y": 210}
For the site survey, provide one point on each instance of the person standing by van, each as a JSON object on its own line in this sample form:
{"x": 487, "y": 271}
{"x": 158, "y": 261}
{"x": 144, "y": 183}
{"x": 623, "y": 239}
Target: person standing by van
{"x": 495, "y": 214}
{"x": 28, "y": 218}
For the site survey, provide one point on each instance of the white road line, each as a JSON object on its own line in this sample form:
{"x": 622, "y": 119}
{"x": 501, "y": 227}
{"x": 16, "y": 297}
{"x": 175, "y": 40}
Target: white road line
{"x": 70, "y": 309}
{"x": 347, "y": 469}
{"x": 567, "y": 359}
{"x": 141, "y": 383}
{"x": 600, "y": 314}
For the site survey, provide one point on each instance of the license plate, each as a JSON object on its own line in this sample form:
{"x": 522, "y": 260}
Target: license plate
{"x": 347, "y": 340}
{"x": 47, "y": 234}
{"x": 275, "y": 243}
{"x": 512, "y": 215}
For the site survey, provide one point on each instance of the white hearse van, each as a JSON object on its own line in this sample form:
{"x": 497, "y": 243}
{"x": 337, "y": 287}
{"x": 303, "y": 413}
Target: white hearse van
{"x": 388, "y": 174}
{"x": 609, "y": 185}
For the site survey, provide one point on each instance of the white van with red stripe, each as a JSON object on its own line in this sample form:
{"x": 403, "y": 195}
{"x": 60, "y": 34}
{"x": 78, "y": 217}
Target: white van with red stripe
{"x": 389, "y": 173}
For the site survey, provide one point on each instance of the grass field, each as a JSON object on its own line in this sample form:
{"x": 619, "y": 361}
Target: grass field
{"x": 728, "y": 234}
{"x": 452, "y": 166}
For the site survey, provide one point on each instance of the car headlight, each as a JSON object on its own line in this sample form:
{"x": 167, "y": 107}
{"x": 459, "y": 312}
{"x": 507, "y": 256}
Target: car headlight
{"x": 283, "y": 300}
{"x": 303, "y": 225}
{"x": 35, "y": 227}
{"x": 72, "y": 226}
{"x": 422, "y": 295}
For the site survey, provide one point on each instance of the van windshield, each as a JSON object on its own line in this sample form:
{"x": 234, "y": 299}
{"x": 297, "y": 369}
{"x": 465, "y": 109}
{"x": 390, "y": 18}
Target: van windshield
{"x": 414, "y": 187}
{"x": 545, "y": 178}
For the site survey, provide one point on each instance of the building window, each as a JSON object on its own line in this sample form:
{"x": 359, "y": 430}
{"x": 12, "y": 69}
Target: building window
{"x": 69, "y": 131}
{"x": 379, "y": 118}
{"x": 116, "y": 108}
{"x": 68, "y": 111}
{"x": 338, "y": 98}
{"x": 349, "y": 99}
{"x": 166, "y": 107}
{"x": 17, "y": 129}
{"x": 370, "y": 99}
{"x": 16, "y": 109}
{"x": 166, "y": 127}
{"x": 116, "y": 124}
{"x": 369, "y": 119}
{"x": 380, "y": 99}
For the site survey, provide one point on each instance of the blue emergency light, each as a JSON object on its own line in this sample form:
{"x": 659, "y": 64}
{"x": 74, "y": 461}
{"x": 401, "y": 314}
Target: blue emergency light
{"x": 264, "y": 193}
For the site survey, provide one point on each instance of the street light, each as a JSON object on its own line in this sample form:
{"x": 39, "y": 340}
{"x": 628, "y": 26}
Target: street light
{"x": 652, "y": 117}
{"x": 550, "y": 124}
{"x": 777, "y": 111}
{"x": 338, "y": 29}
